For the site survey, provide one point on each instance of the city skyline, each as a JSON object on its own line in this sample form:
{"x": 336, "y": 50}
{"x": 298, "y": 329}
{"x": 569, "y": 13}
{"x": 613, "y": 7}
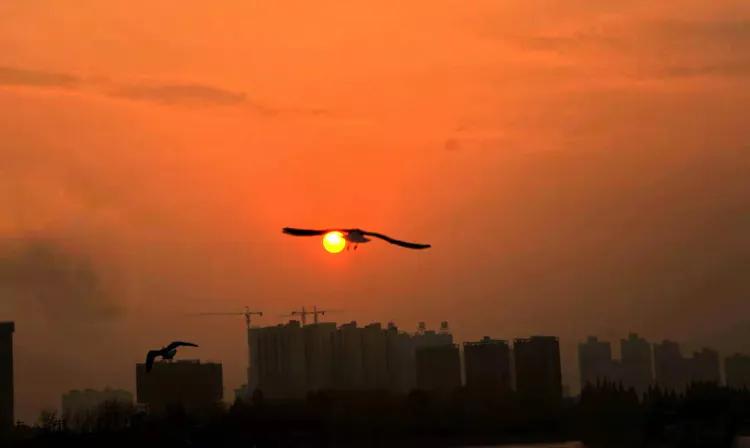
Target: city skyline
{"x": 571, "y": 369}
{"x": 487, "y": 365}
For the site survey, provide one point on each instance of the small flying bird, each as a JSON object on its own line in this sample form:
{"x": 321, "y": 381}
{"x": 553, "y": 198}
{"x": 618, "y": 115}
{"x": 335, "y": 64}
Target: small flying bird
{"x": 334, "y": 240}
{"x": 167, "y": 352}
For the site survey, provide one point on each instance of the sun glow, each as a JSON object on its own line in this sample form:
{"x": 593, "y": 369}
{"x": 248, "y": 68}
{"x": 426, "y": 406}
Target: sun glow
{"x": 334, "y": 242}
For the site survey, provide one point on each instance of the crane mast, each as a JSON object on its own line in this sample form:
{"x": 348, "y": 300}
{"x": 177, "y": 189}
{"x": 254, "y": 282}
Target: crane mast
{"x": 248, "y": 314}
{"x": 303, "y": 313}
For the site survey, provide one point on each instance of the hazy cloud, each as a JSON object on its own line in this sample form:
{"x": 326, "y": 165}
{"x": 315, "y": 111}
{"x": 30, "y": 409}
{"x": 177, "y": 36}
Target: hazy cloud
{"x": 734, "y": 68}
{"x": 186, "y": 94}
{"x": 452, "y": 144}
{"x": 638, "y": 47}
{"x": 730, "y": 32}
{"x": 568, "y": 43}
{"x": 21, "y": 77}
{"x": 42, "y": 275}
{"x": 173, "y": 94}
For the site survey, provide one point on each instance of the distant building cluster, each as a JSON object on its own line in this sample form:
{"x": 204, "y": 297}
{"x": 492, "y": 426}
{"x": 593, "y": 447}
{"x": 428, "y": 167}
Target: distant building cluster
{"x": 643, "y": 364}
{"x": 80, "y": 408}
{"x": 289, "y": 360}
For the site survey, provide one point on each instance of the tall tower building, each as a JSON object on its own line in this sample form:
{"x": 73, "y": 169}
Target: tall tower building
{"x": 348, "y": 364}
{"x": 6, "y": 375}
{"x": 401, "y": 362}
{"x": 595, "y": 361}
{"x": 319, "y": 355}
{"x": 670, "y": 368}
{"x": 278, "y": 362}
{"x": 253, "y": 368}
{"x": 538, "y": 370}
{"x": 374, "y": 357}
{"x": 487, "y": 365}
{"x": 737, "y": 370}
{"x": 705, "y": 366}
{"x": 637, "y": 367}
{"x": 438, "y": 367}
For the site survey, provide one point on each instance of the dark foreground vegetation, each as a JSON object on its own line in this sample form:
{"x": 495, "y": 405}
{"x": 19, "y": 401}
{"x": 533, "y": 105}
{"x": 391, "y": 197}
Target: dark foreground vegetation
{"x": 606, "y": 415}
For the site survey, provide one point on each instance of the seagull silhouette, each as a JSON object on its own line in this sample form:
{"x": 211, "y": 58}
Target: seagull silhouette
{"x": 355, "y": 236}
{"x": 167, "y": 352}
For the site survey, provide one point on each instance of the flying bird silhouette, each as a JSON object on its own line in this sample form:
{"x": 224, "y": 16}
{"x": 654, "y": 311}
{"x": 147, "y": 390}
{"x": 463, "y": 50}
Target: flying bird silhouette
{"x": 355, "y": 236}
{"x": 167, "y": 352}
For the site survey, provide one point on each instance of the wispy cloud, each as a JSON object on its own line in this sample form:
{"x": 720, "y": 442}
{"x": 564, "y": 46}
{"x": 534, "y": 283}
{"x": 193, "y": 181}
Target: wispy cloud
{"x": 730, "y": 68}
{"x": 12, "y": 76}
{"x": 166, "y": 93}
{"x": 717, "y": 31}
{"x": 180, "y": 94}
{"x": 177, "y": 94}
{"x": 665, "y": 48}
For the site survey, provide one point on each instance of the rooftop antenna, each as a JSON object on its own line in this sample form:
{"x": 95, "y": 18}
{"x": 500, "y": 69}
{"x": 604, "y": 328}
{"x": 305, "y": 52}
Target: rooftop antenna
{"x": 444, "y": 327}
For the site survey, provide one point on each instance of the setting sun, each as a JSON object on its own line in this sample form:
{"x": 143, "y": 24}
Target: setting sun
{"x": 334, "y": 242}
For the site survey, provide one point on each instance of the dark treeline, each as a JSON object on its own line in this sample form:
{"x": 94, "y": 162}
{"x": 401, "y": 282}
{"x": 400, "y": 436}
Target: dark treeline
{"x": 606, "y": 414}
{"x": 705, "y": 415}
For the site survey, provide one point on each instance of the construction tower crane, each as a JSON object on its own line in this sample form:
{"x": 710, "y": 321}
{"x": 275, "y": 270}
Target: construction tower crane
{"x": 303, "y": 313}
{"x": 247, "y": 313}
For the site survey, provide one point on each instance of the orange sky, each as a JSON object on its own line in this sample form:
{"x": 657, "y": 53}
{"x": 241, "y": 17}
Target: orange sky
{"x": 580, "y": 167}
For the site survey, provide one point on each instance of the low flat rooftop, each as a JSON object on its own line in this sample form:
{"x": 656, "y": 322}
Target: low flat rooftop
{"x": 7, "y": 327}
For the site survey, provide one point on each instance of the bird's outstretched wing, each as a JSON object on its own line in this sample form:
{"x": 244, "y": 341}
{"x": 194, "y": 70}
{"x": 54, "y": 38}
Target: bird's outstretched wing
{"x": 176, "y": 344}
{"x": 303, "y": 232}
{"x": 397, "y": 242}
{"x": 152, "y": 354}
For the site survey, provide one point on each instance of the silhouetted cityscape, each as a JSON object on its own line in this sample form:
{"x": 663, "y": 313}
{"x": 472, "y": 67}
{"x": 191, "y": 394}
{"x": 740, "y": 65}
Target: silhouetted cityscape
{"x": 361, "y": 367}
{"x": 669, "y": 368}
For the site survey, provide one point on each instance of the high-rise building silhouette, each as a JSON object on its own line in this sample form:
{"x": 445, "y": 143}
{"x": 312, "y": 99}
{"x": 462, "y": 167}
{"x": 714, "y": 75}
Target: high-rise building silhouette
{"x": 253, "y": 357}
{"x": 705, "y": 366}
{"x": 6, "y": 375}
{"x": 425, "y": 360}
{"x": 487, "y": 365}
{"x": 671, "y": 369}
{"x": 280, "y": 362}
{"x": 637, "y": 367}
{"x": 319, "y": 355}
{"x": 595, "y": 362}
{"x": 187, "y": 383}
{"x": 438, "y": 367}
{"x": 401, "y": 360}
{"x": 374, "y": 357}
{"x": 538, "y": 370}
{"x": 737, "y": 370}
{"x": 348, "y": 361}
